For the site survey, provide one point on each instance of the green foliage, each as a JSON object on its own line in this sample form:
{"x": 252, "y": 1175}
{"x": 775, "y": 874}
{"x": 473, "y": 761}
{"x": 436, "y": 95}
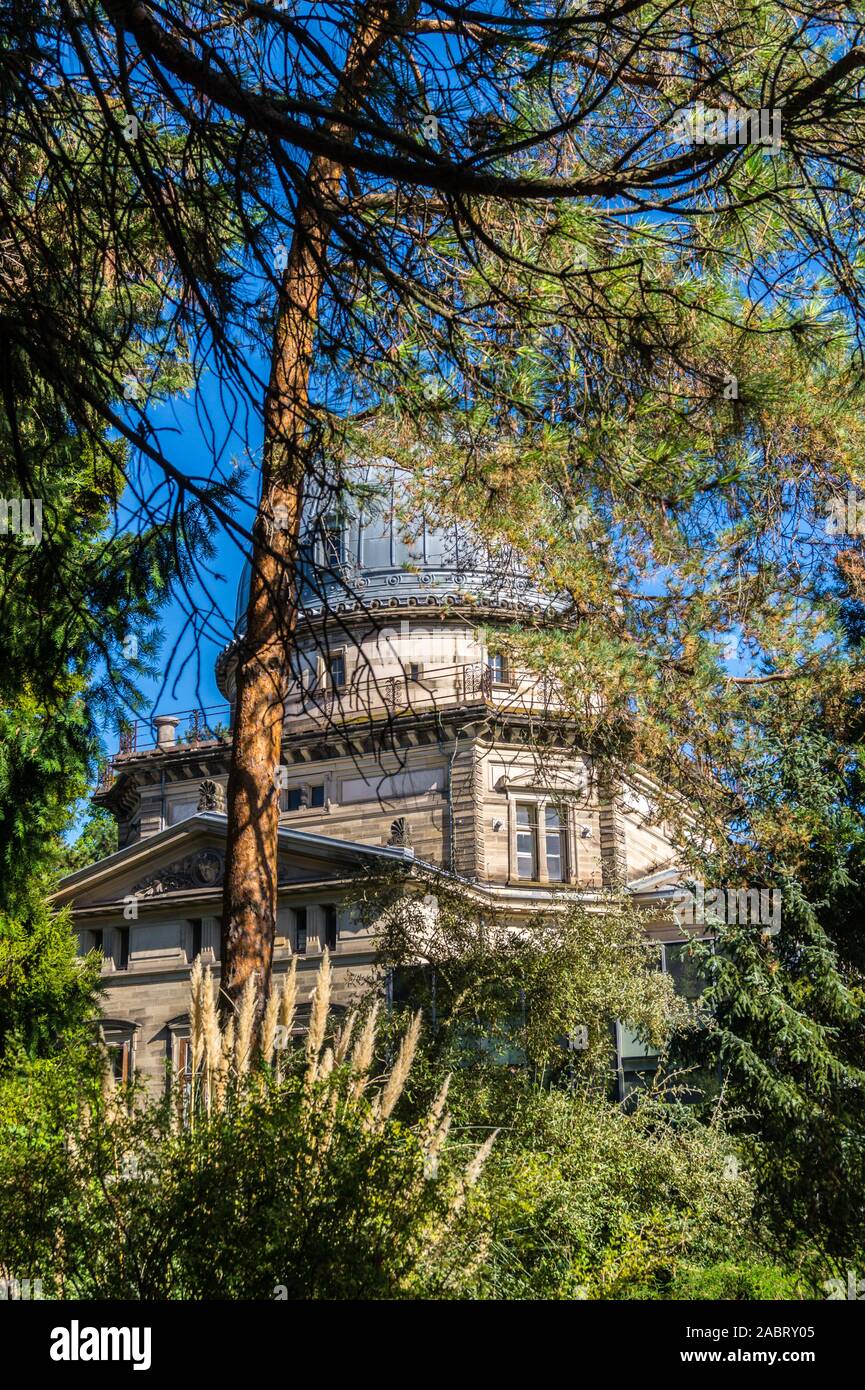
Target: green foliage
{"x": 96, "y": 840}
{"x": 781, "y": 1015}
{"x": 287, "y": 1186}
{"x": 46, "y": 991}
{"x": 753, "y": 1282}
{"x": 786, "y": 1012}
{"x": 586, "y": 1199}
{"x": 489, "y": 989}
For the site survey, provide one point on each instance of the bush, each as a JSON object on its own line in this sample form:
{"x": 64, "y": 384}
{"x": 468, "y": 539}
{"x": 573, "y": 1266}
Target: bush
{"x": 585, "y": 1199}
{"x": 751, "y": 1282}
{"x": 46, "y": 992}
{"x": 269, "y": 1169}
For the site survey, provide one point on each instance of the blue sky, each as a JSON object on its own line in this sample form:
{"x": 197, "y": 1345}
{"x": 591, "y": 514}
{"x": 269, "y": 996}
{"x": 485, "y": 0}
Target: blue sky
{"x": 199, "y": 433}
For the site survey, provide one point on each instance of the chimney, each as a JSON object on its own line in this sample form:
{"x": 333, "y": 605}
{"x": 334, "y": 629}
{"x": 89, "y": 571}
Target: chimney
{"x": 165, "y": 725}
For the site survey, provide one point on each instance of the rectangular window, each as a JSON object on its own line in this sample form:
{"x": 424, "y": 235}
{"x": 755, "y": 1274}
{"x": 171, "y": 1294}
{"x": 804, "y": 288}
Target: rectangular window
{"x": 414, "y": 670}
{"x": 336, "y": 670}
{"x": 195, "y": 939}
{"x": 96, "y": 940}
{"x": 333, "y": 540}
{"x": 527, "y": 842}
{"x": 123, "y": 948}
{"x": 118, "y": 1056}
{"x": 330, "y": 927}
{"x": 554, "y": 845}
{"x": 498, "y": 669}
{"x": 183, "y": 1063}
{"x": 300, "y": 930}
{"x": 680, "y": 963}
{"x": 637, "y": 1061}
{"x": 302, "y": 798}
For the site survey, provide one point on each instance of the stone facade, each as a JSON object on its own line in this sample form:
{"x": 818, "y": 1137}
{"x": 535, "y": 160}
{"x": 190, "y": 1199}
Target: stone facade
{"x": 408, "y": 746}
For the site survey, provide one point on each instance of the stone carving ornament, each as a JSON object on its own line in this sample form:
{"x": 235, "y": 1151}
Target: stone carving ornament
{"x": 203, "y": 869}
{"x": 211, "y": 796}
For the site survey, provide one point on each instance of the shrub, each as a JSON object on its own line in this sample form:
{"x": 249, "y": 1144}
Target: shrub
{"x": 270, "y": 1168}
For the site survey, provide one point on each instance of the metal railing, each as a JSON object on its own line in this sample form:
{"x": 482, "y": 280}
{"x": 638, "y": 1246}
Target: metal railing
{"x": 430, "y": 687}
{"x": 208, "y": 725}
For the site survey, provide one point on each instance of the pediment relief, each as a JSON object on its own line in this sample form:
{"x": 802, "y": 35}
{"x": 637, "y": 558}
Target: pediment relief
{"x": 197, "y": 863}
{"x": 203, "y": 868}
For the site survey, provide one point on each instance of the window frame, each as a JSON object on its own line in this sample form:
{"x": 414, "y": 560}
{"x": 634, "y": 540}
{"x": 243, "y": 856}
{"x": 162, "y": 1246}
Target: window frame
{"x": 303, "y": 791}
{"x": 337, "y": 655}
{"x": 119, "y": 1035}
{"x": 540, "y": 804}
{"x": 332, "y": 541}
{"x": 301, "y": 930}
{"x": 530, "y": 829}
{"x": 498, "y": 667}
{"x": 561, "y": 833}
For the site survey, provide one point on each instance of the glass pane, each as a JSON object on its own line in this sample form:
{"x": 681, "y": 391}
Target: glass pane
{"x": 553, "y": 845}
{"x": 316, "y": 795}
{"x": 633, "y": 1045}
{"x": 375, "y": 533}
{"x": 527, "y": 856}
{"x": 118, "y": 1054}
{"x": 334, "y": 541}
{"x": 683, "y": 966}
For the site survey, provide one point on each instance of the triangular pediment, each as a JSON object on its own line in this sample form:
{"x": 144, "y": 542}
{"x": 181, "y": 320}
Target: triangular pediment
{"x": 189, "y": 859}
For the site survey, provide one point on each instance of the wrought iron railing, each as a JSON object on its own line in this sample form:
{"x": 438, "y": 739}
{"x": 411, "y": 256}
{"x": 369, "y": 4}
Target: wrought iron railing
{"x": 439, "y": 686}
{"x": 194, "y": 726}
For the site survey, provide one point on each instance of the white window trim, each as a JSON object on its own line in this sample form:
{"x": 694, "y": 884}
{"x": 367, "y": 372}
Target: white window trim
{"x": 540, "y": 801}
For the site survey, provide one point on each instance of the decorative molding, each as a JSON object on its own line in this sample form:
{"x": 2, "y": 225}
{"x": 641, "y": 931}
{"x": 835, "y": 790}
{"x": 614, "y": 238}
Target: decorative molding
{"x": 204, "y": 869}
{"x": 400, "y": 832}
{"x": 211, "y": 796}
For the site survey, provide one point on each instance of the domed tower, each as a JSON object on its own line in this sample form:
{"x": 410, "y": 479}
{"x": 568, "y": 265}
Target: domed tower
{"x": 367, "y": 562}
{"x": 404, "y": 725}
{"x": 396, "y": 679}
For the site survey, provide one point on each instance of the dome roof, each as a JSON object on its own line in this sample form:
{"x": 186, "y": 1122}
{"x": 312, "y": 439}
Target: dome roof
{"x": 360, "y": 549}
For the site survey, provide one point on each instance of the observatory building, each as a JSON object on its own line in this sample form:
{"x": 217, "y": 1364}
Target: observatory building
{"x": 411, "y": 746}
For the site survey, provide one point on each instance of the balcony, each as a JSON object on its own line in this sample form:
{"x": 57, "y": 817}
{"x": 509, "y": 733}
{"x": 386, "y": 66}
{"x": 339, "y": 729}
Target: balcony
{"x": 367, "y": 694}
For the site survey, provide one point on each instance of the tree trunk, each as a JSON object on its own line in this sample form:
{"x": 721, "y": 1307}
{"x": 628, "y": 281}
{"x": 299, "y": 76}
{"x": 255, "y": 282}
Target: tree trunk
{"x": 263, "y": 672}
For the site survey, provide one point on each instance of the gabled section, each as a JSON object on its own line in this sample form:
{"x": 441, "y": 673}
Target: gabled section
{"x": 189, "y": 858}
